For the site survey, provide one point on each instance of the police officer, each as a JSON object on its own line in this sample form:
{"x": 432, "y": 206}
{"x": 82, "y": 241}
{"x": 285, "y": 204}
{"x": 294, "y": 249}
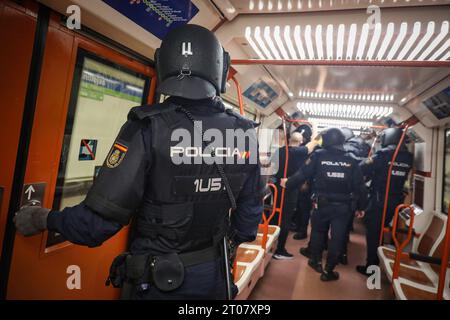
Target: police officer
{"x": 304, "y": 203}
{"x": 337, "y": 181}
{"x": 179, "y": 199}
{"x": 376, "y": 169}
{"x": 357, "y": 148}
{"x": 297, "y": 155}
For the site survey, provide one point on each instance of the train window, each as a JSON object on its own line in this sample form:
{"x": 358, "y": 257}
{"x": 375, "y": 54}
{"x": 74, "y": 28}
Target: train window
{"x": 446, "y": 182}
{"x": 102, "y": 95}
{"x": 418, "y": 191}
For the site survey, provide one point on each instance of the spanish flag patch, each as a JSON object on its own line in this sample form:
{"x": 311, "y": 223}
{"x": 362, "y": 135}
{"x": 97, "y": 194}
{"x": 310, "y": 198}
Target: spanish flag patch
{"x": 116, "y": 155}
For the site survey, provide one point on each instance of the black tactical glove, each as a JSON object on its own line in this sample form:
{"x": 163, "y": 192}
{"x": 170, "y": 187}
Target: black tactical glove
{"x": 31, "y": 220}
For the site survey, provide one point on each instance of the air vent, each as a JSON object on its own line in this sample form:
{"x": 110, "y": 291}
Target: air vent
{"x": 439, "y": 104}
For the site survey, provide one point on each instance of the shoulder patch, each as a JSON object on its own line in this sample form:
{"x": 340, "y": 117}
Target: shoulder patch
{"x": 116, "y": 155}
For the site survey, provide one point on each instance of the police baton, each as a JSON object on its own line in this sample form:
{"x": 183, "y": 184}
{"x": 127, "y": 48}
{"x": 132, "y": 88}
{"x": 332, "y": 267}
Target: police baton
{"x": 226, "y": 260}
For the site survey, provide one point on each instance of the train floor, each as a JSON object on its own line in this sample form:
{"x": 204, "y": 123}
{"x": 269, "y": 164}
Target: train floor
{"x": 295, "y": 280}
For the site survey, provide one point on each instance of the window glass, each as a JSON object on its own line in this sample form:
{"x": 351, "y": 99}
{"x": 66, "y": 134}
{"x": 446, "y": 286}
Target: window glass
{"x": 446, "y": 182}
{"x": 102, "y": 96}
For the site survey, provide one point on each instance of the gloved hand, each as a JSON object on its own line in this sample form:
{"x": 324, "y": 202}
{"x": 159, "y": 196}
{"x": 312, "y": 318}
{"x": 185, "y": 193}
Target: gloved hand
{"x": 31, "y": 220}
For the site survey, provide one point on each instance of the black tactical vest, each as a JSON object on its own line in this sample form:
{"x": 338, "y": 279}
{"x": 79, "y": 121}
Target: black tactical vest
{"x": 400, "y": 170}
{"x": 333, "y": 176}
{"x": 185, "y": 206}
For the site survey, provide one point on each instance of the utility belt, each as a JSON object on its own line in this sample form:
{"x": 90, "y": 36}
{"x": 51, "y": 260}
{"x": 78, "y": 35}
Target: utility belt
{"x": 321, "y": 202}
{"x": 165, "y": 272}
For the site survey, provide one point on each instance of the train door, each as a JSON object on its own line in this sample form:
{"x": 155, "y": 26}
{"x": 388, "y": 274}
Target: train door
{"x": 85, "y": 92}
{"x": 17, "y": 30}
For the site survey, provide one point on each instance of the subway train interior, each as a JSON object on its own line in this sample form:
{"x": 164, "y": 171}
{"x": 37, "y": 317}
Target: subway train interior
{"x": 71, "y": 70}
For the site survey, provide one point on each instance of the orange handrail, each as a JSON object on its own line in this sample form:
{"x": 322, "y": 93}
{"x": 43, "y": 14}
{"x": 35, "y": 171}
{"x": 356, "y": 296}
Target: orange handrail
{"x": 239, "y": 94}
{"x": 444, "y": 261}
{"x": 266, "y": 220}
{"x": 286, "y": 163}
{"x": 388, "y": 183}
{"x": 399, "y": 246}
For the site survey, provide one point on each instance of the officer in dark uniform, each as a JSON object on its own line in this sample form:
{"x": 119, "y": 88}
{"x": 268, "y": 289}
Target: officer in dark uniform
{"x": 376, "y": 169}
{"x": 297, "y": 155}
{"x": 179, "y": 192}
{"x": 304, "y": 203}
{"x": 358, "y": 149}
{"x": 337, "y": 181}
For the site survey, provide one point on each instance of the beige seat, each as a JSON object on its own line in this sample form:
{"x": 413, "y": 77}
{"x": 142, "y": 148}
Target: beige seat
{"x": 421, "y": 282}
{"x": 249, "y": 260}
{"x": 428, "y": 245}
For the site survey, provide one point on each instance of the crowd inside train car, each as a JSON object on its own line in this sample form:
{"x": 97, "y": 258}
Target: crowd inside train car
{"x": 323, "y": 185}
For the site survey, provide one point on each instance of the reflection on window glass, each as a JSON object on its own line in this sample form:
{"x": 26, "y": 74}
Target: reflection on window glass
{"x": 101, "y": 99}
{"x": 446, "y": 188}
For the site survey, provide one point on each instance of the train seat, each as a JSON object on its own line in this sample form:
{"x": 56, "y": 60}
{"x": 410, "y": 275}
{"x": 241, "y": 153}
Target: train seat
{"x": 428, "y": 245}
{"x": 421, "y": 282}
{"x": 405, "y": 289}
{"x": 248, "y": 265}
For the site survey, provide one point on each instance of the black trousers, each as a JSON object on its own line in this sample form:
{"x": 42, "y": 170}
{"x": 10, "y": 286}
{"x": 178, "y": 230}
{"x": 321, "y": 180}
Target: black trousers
{"x": 347, "y": 237}
{"x": 303, "y": 213}
{"x": 289, "y": 206}
{"x": 372, "y": 221}
{"x": 334, "y": 217}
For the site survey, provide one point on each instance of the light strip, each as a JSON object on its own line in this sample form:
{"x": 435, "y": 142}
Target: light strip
{"x": 261, "y": 43}
{"x": 311, "y": 42}
{"x": 298, "y": 42}
{"x": 423, "y": 42}
{"x": 340, "y": 42}
{"x": 248, "y": 37}
{"x": 308, "y": 40}
{"x": 287, "y": 39}
{"x": 362, "y": 41}
{"x": 270, "y": 43}
{"x": 387, "y": 40}
{"x": 276, "y": 34}
{"x": 343, "y": 110}
{"x": 412, "y": 39}
{"x": 374, "y": 42}
{"x": 352, "y": 124}
{"x": 330, "y": 42}
{"x": 441, "y": 50}
{"x": 436, "y": 41}
{"x": 351, "y": 41}
{"x": 347, "y": 96}
{"x": 319, "y": 45}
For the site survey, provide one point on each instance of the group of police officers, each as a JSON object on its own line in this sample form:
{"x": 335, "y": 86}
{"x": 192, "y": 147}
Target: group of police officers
{"x": 184, "y": 236}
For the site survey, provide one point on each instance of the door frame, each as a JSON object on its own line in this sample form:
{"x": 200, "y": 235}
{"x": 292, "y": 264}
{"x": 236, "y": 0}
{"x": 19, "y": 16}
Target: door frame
{"x": 78, "y": 41}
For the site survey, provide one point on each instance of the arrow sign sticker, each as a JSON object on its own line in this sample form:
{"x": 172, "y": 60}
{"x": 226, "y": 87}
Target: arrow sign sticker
{"x": 30, "y": 190}
{"x": 33, "y": 194}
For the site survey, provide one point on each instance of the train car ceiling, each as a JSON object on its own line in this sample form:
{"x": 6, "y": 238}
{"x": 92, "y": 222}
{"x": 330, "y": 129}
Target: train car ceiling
{"x": 315, "y": 32}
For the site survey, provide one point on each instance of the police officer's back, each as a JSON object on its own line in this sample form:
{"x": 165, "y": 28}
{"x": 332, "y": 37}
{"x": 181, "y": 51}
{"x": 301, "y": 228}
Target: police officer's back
{"x": 337, "y": 182}
{"x": 376, "y": 170}
{"x": 177, "y": 178}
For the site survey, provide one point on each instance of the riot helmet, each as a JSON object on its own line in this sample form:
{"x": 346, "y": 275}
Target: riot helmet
{"x": 348, "y": 133}
{"x": 391, "y": 136}
{"x": 306, "y": 132}
{"x": 192, "y": 64}
{"x": 333, "y": 137}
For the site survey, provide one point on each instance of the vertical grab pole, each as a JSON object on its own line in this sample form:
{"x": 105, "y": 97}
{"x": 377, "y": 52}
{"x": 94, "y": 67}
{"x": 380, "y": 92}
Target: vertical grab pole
{"x": 399, "y": 246}
{"x": 239, "y": 94}
{"x": 286, "y": 162}
{"x": 445, "y": 256}
{"x": 388, "y": 183}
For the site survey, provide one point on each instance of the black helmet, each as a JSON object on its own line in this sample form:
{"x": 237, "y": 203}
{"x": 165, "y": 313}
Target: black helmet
{"x": 348, "y": 133}
{"x": 191, "y": 64}
{"x": 391, "y": 136}
{"x": 332, "y": 137}
{"x": 306, "y": 132}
